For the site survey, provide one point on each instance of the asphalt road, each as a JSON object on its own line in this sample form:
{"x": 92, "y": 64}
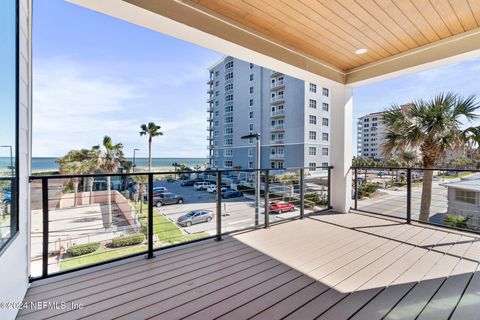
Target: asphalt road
{"x": 237, "y": 213}
{"x": 394, "y": 201}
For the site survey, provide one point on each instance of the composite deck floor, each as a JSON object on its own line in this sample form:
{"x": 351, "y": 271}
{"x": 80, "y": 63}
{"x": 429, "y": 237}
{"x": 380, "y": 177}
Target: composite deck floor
{"x": 336, "y": 266}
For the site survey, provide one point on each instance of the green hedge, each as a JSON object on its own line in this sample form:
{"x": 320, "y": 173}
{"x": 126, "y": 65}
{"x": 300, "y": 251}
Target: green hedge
{"x": 129, "y": 240}
{"x": 82, "y": 249}
{"x": 366, "y": 190}
{"x": 456, "y": 221}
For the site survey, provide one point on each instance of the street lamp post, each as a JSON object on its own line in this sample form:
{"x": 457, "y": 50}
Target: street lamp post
{"x": 11, "y": 157}
{"x": 257, "y": 176}
{"x": 134, "y": 165}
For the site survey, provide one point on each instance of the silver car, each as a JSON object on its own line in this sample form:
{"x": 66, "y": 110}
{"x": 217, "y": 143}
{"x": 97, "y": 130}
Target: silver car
{"x": 195, "y": 216}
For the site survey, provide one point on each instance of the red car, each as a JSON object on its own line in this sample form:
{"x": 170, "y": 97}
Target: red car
{"x": 281, "y": 206}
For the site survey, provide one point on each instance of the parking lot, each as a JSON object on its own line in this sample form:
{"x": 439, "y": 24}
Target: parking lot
{"x": 237, "y": 213}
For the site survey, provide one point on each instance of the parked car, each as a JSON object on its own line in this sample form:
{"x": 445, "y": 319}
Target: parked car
{"x": 232, "y": 194}
{"x": 201, "y": 185}
{"x": 381, "y": 173}
{"x": 195, "y": 216}
{"x": 281, "y": 206}
{"x": 7, "y": 196}
{"x": 167, "y": 198}
{"x": 187, "y": 183}
{"x": 158, "y": 190}
{"x": 213, "y": 189}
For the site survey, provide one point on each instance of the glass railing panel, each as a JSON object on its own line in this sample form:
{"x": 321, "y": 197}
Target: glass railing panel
{"x": 183, "y": 207}
{"x": 382, "y": 191}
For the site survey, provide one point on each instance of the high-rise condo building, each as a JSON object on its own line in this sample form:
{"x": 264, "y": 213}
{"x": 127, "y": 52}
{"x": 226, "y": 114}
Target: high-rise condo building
{"x": 291, "y": 115}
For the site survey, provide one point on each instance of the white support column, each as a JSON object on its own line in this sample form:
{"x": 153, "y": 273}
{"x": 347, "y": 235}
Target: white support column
{"x": 341, "y": 147}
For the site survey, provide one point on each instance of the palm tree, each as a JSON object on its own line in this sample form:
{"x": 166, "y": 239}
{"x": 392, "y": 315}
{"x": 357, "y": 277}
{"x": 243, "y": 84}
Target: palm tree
{"x": 78, "y": 162}
{"x": 175, "y": 165}
{"x": 91, "y": 163}
{"x": 127, "y": 168}
{"x": 395, "y": 162}
{"x": 68, "y": 165}
{"x": 364, "y": 162}
{"x": 110, "y": 157}
{"x": 141, "y": 182}
{"x": 197, "y": 168}
{"x": 409, "y": 157}
{"x": 434, "y": 126}
{"x": 151, "y": 130}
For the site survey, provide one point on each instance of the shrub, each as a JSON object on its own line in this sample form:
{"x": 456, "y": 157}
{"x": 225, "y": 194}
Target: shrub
{"x": 81, "y": 249}
{"x": 456, "y": 221}
{"x": 366, "y": 190}
{"x": 129, "y": 240}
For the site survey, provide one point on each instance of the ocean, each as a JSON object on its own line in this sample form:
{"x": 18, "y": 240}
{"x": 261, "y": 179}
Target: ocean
{"x": 49, "y": 164}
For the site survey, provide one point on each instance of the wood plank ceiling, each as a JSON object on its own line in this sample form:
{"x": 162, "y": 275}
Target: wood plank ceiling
{"x": 332, "y": 30}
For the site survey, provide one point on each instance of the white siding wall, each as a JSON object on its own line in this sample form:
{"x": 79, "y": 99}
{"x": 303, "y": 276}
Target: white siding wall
{"x": 14, "y": 260}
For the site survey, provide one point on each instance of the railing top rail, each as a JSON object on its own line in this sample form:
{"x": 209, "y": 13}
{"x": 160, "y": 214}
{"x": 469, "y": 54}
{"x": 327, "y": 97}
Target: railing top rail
{"x": 100, "y": 175}
{"x": 416, "y": 168}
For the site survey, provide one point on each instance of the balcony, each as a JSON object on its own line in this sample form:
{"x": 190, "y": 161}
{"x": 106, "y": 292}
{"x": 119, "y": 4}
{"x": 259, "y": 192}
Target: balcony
{"x": 210, "y": 81}
{"x": 277, "y": 85}
{"x": 274, "y": 74}
{"x": 209, "y": 138}
{"x": 210, "y": 108}
{"x": 277, "y": 141}
{"x": 336, "y": 266}
{"x": 308, "y": 263}
{"x": 305, "y": 263}
{"x": 209, "y": 128}
{"x": 210, "y": 100}
{"x": 210, "y": 91}
{"x": 278, "y": 127}
{"x": 277, "y": 156}
{"x": 277, "y": 113}
{"x": 277, "y": 99}
{"x": 209, "y": 119}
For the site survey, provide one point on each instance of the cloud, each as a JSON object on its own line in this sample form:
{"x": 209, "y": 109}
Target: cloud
{"x": 76, "y": 104}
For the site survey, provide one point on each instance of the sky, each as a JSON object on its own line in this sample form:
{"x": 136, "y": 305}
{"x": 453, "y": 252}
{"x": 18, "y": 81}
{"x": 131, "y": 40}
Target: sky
{"x": 7, "y": 78}
{"x": 95, "y": 75}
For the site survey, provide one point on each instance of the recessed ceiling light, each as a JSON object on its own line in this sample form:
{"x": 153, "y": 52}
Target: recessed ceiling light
{"x": 361, "y": 51}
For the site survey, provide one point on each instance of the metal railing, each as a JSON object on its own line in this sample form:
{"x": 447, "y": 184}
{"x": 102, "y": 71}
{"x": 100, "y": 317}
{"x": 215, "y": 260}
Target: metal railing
{"x": 79, "y": 216}
{"x": 277, "y": 113}
{"x": 277, "y": 127}
{"x": 277, "y": 156}
{"x": 399, "y": 192}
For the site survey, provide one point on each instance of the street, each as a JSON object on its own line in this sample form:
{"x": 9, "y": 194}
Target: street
{"x": 237, "y": 213}
{"x": 394, "y": 201}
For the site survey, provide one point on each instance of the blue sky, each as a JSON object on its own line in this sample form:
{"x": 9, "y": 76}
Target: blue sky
{"x": 7, "y": 77}
{"x": 96, "y": 75}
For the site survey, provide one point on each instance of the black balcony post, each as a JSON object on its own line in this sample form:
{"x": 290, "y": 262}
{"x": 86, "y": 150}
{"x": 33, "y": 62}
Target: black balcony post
{"x": 329, "y": 187}
{"x": 266, "y": 198}
{"x": 356, "y": 188}
{"x": 409, "y": 195}
{"x": 45, "y": 224}
{"x": 150, "y": 216}
{"x": 302, "y": 193}
{"x": 219, "y": 206}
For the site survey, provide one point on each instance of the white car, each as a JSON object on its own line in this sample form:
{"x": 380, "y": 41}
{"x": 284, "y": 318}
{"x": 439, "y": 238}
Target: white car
{"x": 213, "y": 188}
{"x": 201, "y": 185}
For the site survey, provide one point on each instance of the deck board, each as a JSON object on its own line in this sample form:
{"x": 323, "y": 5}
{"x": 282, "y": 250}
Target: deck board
{"x": 334, "y": 266}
